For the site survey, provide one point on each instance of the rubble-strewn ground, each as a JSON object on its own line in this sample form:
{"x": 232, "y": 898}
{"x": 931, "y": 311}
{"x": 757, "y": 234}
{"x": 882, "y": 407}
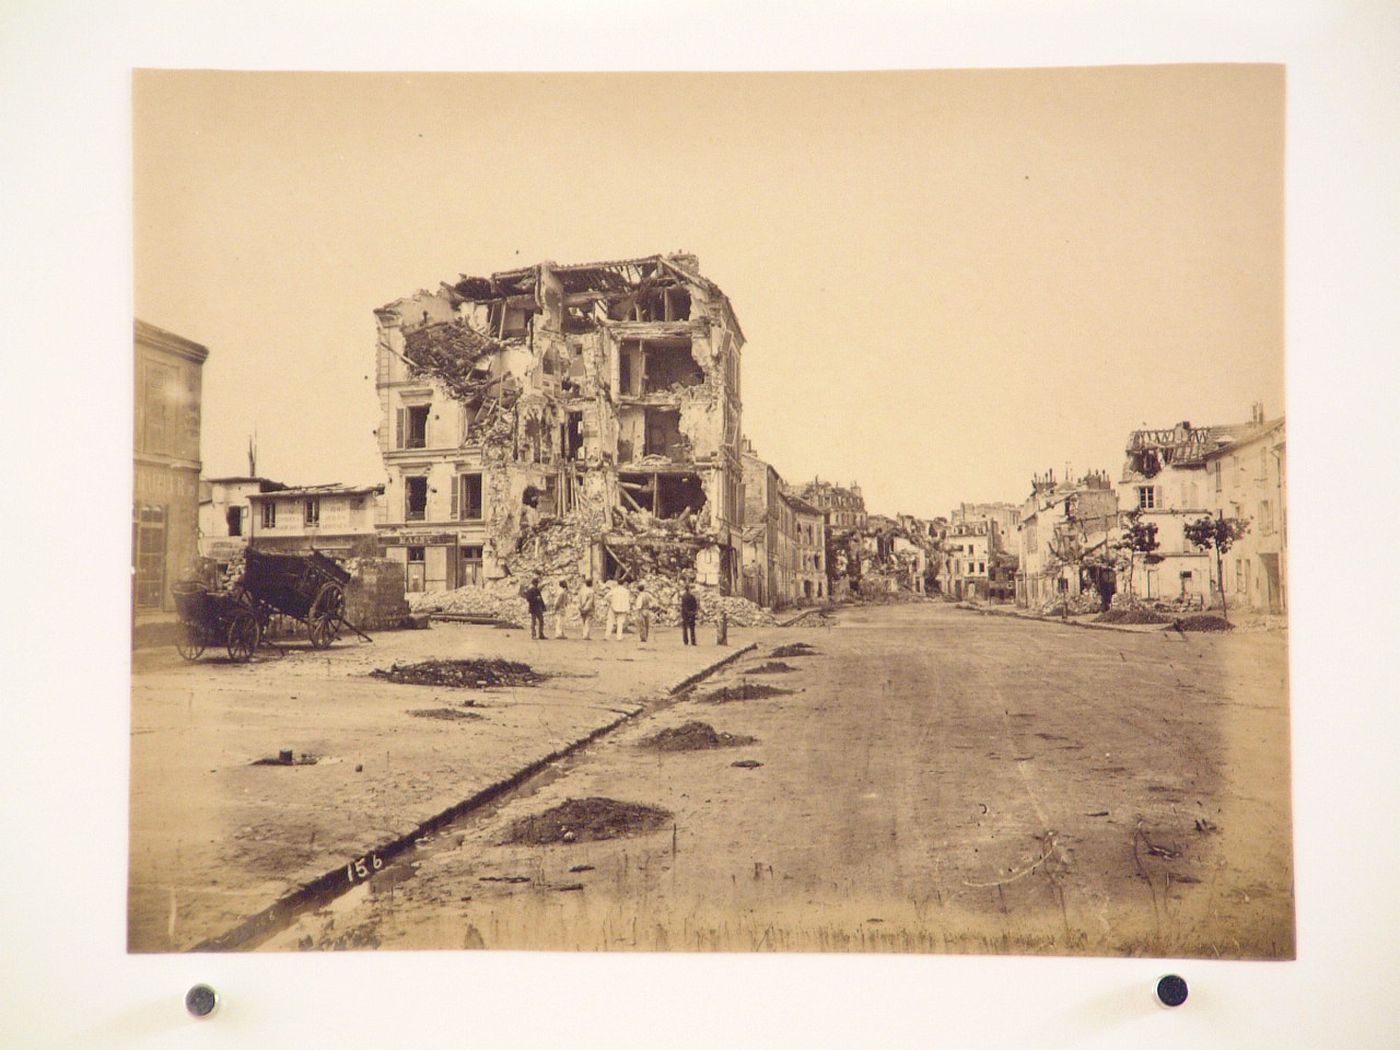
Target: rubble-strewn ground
{"x": 501, "y": 599}
{"x": 933, "y": 782}
{"x": 214, "y": 839}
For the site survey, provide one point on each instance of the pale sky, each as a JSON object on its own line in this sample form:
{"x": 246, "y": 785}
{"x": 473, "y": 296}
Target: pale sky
{"x": 949, "y": 281}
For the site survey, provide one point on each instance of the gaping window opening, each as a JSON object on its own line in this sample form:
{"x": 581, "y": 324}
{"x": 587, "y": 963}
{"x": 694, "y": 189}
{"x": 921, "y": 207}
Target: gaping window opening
{"x": 467, "y": 499}
{"x": 663, "y": 435}
{"x": 571, "y": 436}
{"x": 269, "y": 514}
{"x": 415, "y": 493}
{"x": 234, "y": 517}
{"x": 416, "y": 426}
{"x": 311, "y": 512}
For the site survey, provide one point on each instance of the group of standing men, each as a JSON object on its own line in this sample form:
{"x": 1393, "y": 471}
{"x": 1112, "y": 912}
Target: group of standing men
{"x": 620, "y": 606}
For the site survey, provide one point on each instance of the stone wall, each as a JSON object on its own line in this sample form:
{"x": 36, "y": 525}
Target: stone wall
{"x": 375, "y": 598}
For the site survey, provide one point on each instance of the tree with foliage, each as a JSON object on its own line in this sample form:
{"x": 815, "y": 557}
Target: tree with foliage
{"x": 1219, "y": 534}
{"x": 1139, "y": 537}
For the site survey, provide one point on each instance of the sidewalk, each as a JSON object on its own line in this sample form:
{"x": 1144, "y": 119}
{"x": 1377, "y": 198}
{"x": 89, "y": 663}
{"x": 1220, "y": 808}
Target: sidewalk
{"x": 216, "y": 840}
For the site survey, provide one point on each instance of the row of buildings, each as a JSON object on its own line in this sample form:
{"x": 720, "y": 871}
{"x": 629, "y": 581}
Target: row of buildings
{"x": 597, "y": 406}
{"x": 1073, "y": 531}
{"x": 596, "y": 410}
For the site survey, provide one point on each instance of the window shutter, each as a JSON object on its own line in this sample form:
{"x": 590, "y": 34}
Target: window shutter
{"x": 398, "y": 428}
{"x": 1157, "y": 492}
{"x": 427, "y": 424}
{"x": 456, "y": 514}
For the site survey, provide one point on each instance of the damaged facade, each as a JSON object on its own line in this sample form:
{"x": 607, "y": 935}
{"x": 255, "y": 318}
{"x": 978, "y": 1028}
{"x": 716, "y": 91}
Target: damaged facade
{"x": 593, "y": 409}
{"x": 1082, "y": 512}
{"x": 1177, "y": 475}
{"x": 783, "y": 558}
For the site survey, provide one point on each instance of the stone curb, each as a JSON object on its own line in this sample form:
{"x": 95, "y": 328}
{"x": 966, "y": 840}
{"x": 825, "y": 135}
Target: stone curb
{"x": 1120, "y": 628}
{"x": 331, "y": 883}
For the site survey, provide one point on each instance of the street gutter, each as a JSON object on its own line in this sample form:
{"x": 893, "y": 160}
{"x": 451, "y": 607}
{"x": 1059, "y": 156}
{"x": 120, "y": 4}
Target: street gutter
{"x": 333, "y": 883}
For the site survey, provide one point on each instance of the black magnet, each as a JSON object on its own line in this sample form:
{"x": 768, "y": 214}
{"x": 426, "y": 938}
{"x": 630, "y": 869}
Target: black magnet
{"x": 1171, "y": 990}
{"x": 201, "y": 1000}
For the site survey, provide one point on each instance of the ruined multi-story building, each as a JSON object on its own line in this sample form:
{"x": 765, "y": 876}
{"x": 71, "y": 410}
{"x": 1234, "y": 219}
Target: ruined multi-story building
{"x": 1175, "y": 475}
{"x": 602, "y": 399}
{"x": 1081, "y": 514}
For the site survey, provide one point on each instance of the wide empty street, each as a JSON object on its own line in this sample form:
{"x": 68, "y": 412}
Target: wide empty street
{"x": 927, "y": 779}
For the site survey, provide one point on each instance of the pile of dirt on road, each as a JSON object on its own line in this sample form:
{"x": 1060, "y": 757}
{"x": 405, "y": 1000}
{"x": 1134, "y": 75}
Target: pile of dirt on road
{"x": 771, "y": 667}
{"x": 743, "y": 691}
{"x": 1131, "y": 614}
{"x": 585, "y": 820}
{"x": 694, "y": 736}
{"x": 445, "y": 714}
{"x": 1203, "y": 623}
{"x": 796, "y": 649}
{"x": 462, "y": 674}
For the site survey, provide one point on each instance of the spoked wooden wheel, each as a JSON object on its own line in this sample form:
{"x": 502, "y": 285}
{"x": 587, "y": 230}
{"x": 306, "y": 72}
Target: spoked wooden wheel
{"x": 243, "y": 633}
{"x": 189, "y": 641}
{"x": 323, "y": 622}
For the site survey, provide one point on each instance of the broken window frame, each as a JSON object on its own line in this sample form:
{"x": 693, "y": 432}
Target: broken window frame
{"x": 410, "y": 482}
{"x": 463, "y": 484}
{"x": 410, "y": 435}
{"x": 311, "y": 512}
{"x": 269, "y": 514}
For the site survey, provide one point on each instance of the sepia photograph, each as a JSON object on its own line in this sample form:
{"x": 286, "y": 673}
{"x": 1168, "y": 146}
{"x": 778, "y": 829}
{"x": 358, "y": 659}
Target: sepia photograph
{"x": 834, "y": 512}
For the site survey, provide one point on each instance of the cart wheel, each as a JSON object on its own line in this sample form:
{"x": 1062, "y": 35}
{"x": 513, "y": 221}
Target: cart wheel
{"x": 189, "y": 642}
{"x": 242, "y": 637}
{"x": 323, "y": 621}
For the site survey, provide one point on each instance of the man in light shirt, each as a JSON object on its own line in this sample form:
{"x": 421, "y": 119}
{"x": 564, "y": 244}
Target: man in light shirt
{"x": 619, "y": 605}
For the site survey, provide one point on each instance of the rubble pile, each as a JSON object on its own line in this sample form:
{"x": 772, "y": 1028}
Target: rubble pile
{"x": 1131, "y": 614}
{"x": 1203, "y": 623}
{"x": 739, "y": 611}
{"x": 771, "y": 667}
{"x": 585, "y": 820}
{"x": 694, "y": 736}
{"x": 469, "y": 601}
{"x": 462, "y": 674}
{"x": 450, "y": 351}
{"x": 1077, "y": 605}
{"x": 795, "y": 649}
{"x": 743, "y": 691}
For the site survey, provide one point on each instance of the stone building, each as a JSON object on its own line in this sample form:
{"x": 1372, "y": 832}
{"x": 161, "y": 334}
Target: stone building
{"x": 1170, "y": 476}
{"x": 808, "y": 550}
{"x": 844, "y": 507}
{"x": 226, "y": 515}
{"x": 1249, "y": 479}
{"x": 784, "y": 540}
{"x": 591, "y": 409}
{"x": 165, "y": 507}
{"x": 1082, "y": 512}
{"x": 339, "y": 520}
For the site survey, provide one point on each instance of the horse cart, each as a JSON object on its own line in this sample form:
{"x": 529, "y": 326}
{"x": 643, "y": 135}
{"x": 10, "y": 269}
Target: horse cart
{"x": 309, "y": 588}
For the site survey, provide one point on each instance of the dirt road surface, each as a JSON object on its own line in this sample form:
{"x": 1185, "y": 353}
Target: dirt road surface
{"x": 928, "y": 780}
